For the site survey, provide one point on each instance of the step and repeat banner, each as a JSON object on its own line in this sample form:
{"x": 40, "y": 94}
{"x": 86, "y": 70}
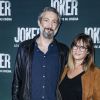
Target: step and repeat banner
{"x": 18, "y": 22}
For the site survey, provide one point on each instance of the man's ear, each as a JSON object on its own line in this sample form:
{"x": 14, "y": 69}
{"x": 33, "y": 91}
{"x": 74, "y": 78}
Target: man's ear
{"x": 57, "y": 28}
{"x": 39, "y": 23}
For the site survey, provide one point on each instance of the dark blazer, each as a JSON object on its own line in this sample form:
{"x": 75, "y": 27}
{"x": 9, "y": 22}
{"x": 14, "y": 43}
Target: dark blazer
{"x": 22, "y": 79}
{"x": 90, "y": 83}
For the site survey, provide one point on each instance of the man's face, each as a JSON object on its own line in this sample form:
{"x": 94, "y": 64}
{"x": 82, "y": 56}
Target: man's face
{"x": 49, "y": 24}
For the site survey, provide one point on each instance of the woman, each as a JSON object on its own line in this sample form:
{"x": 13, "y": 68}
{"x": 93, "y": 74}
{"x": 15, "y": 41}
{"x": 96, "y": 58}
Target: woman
{"x": 81, "y": 78}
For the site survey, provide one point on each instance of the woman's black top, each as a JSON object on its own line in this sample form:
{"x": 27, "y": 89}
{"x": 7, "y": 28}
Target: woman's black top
{"x": 71, "y": 89}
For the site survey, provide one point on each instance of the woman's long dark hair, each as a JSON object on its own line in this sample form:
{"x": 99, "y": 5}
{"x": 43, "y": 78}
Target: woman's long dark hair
{"x": 88, "y": 42}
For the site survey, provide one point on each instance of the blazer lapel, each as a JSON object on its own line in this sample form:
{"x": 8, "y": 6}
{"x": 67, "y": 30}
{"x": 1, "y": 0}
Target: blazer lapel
{"x": 87, "y": 85}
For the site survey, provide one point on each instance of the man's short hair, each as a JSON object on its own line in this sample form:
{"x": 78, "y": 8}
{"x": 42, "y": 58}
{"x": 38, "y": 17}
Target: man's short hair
{"x": 51, "y": 9}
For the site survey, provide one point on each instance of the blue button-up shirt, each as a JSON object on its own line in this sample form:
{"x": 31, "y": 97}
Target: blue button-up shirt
{"x": 45, "y": 73}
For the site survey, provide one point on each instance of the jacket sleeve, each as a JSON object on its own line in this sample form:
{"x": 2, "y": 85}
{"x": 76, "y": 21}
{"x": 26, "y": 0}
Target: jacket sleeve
{"x": 58, "y": 94}
{"x": 96, "y": 90}
{"x": 17, "y": 77}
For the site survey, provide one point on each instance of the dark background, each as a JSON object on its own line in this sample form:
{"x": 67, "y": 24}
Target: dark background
{"x": 24, "y": 13}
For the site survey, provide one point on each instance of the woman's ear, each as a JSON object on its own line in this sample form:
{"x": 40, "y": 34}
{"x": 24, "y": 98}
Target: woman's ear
{"x": 87, "y": 52}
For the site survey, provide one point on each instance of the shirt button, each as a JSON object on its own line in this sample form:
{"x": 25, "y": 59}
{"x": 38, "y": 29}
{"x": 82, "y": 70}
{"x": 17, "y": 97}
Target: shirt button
{"x": 44, "y": 56}
{"x": 43, "y": 76}
{"x": 43, "y": 97}
{"x": 43, "y": 66}
{"x": 51, "y": 45}
{"x": 43, "y": 86}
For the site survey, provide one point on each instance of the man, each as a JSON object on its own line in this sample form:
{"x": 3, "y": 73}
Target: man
{"x": 40, "y": 61}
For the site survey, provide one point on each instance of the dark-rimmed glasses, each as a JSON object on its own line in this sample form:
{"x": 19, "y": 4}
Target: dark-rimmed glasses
{"x": 81, "y": 48}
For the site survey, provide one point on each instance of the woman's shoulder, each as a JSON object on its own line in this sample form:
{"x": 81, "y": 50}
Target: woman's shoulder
{"x": 97, "y": 70}
{"x": 96, "y": 73}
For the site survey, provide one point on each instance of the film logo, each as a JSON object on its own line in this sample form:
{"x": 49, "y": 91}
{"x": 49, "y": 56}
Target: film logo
{"x": 68, "y": 9}
{"x": 5, "y": 63}
{"x": 25, "y": 34}
{"x": 94, "y": 32}
{"x": 5, "y": 10}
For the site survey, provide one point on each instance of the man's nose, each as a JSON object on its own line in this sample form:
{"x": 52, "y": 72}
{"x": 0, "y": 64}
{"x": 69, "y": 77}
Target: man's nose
{"x": 50, "y": 24}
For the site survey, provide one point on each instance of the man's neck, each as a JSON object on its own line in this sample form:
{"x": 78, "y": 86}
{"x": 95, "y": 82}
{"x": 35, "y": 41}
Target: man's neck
{"x": 43, "y": 43}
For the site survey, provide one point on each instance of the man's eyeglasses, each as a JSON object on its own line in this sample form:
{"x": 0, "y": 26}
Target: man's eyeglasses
{"x": 81, "y": 48}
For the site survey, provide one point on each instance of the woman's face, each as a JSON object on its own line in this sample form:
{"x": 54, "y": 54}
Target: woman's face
{"x": 79, "y": 51}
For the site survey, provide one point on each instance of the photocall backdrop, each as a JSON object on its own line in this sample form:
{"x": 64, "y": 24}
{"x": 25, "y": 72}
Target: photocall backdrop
{"x": 18, "y": 22}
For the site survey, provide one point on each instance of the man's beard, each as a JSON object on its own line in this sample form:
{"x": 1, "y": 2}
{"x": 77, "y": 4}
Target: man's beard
{"x": 48, "y": 35}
